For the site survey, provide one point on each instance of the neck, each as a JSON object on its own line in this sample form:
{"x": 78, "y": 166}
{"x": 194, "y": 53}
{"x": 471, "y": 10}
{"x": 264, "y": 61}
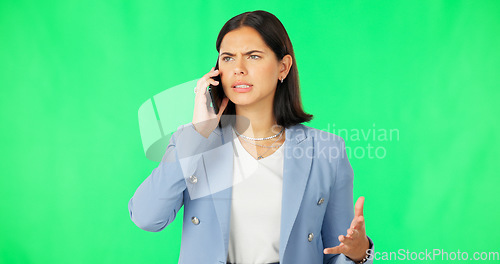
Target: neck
{"x": 262, "y": 120}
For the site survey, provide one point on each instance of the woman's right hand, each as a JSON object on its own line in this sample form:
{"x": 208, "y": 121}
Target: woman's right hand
{"x": 204, "y": 118}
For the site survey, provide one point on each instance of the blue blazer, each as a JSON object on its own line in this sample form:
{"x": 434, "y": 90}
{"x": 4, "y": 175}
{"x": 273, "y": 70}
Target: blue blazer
{"x": 317, "y": 201}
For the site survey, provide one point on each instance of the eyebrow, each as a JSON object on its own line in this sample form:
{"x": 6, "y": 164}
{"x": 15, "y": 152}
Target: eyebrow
{"x": 247, "y": 53}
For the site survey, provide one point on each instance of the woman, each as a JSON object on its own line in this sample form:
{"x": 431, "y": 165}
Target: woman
{"x": 257, "y": 186}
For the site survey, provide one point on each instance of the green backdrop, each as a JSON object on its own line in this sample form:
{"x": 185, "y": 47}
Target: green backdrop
{"x": 73, "y": 75}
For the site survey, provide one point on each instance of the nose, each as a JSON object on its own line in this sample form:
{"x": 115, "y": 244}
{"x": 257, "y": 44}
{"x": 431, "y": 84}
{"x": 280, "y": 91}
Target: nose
{"x": 239, "y": 67}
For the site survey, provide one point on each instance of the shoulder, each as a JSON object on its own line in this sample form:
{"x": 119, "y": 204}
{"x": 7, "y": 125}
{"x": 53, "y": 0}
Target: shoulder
{"x": 327, "y": 148}
{"x": 318, "y": 136}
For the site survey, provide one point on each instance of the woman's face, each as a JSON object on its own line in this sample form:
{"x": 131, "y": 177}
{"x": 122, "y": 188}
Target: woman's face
{"x": 245, "y": 59}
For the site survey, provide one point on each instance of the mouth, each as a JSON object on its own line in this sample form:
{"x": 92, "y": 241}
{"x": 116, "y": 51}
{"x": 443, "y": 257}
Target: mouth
{"x": 242, "y": 88}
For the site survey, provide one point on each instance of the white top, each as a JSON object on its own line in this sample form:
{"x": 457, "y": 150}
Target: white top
{"x": 256, "y": 206}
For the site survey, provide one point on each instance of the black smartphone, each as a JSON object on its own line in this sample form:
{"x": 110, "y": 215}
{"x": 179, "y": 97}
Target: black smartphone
{"x": 216, "y": 92}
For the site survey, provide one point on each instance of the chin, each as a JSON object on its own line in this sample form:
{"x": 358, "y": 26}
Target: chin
{"x": 242, "y": 102}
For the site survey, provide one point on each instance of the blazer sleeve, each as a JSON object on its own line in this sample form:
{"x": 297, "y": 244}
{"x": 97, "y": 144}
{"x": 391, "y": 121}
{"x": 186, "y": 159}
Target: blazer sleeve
{"x": 156, "y": 202}
{"x": 339, "y": 212}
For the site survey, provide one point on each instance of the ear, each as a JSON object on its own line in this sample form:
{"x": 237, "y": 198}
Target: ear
{"x": 285, "y": 64}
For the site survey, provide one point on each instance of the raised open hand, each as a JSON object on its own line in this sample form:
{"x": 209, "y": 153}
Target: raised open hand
{"x": 355, "y": 244}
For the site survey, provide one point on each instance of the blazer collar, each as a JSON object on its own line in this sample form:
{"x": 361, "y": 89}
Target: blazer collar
{"x": 297, "y": 165}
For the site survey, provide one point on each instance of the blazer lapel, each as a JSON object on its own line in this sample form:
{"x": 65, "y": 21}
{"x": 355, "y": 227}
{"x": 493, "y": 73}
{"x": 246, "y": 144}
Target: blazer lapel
{"x": 297, "y": 165}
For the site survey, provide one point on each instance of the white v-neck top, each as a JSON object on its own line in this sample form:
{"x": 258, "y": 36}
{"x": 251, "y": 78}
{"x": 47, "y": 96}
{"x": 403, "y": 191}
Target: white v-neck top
{"x": 256, "y": 206}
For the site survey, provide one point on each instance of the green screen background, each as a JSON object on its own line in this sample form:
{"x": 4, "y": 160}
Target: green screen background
{"x": 74, "y": 73}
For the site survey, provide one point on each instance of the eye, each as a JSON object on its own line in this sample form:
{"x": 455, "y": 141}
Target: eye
{"x": 254, "y": 56}
{"x": 224, "y": 59}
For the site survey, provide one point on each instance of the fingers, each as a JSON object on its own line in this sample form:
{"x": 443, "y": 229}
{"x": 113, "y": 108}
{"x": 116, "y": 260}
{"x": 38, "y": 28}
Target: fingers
{"x": 353, "y": 222}
{"x": 352, "y": 233}
{"x": 358, "y": 223}
{"x": 351, "y": 240}
{"x": 334, "y": 250}
{"x": 207, "y": 80}
{"x": 347, "y": 241}
{"x": 203, "y": 84}
{"x": 211, "y": 74}
{"x": 358, "y": 208}
{"x": 350, "y": 243}
{"x": 213, "y": 82}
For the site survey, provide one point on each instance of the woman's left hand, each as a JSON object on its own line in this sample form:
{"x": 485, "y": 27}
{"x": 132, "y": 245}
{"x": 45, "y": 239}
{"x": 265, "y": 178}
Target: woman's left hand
{"x": 355, "y": 244}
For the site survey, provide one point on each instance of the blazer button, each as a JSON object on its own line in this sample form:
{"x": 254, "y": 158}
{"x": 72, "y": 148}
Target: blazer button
{"x": 195, "y": 220}
{"x": 321, "y": 201}
{"x": 193, "y": 179}
{"x": 310, "y": 237}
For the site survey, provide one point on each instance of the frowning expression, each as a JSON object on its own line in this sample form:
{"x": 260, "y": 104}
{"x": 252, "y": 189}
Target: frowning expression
{"x": 249, "y": 69}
